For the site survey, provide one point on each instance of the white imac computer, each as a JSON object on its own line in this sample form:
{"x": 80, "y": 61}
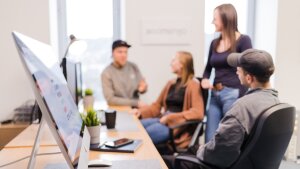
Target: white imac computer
{"x": 58, "y": 108}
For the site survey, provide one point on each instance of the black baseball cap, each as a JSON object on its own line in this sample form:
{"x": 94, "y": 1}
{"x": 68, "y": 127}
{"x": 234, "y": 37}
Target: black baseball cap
{"x": 119, "y": 43}
{"x": 256, "y": 62}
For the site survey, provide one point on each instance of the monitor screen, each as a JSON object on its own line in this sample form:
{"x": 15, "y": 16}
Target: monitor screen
{"x": 51, "y": 90}
{"x": 74, "y": 79}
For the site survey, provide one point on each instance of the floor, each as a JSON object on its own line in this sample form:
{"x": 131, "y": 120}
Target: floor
{"x": 289, "y": 165}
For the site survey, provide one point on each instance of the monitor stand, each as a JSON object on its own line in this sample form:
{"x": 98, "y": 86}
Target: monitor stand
{"x": 84, "y": 151}
{"x": 36, "y": 145}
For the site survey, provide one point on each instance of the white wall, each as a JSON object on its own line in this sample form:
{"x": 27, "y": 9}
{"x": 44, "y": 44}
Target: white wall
{"x": 287, "y": 77}
{"x": 266, "y": 25}
{"x": 154, "y": 60}
{"x": 277, "y": 31}
{"x": 30, "y": 17}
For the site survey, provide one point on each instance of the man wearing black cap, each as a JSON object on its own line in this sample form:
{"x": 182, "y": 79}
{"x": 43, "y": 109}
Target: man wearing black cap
{"x": 254, "y": 68}
{"x": 122, "y": 81}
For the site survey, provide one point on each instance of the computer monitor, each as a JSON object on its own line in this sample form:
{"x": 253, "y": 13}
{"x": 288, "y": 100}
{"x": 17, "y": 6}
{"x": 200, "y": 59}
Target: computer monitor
{"x": 55, "y": 100}
{"x": 74, "y": 79}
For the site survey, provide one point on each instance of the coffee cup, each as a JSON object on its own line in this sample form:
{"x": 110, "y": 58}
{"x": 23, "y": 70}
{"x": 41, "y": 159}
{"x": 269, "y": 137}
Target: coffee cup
{"x": 110, "y": 118}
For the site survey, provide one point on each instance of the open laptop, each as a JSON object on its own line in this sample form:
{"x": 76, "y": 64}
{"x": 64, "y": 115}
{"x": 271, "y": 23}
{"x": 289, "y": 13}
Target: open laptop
{"x": 58, "y": 108}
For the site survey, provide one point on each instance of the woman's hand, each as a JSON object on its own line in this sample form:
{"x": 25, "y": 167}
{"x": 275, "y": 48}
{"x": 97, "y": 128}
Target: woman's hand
{"x": 135, "y": 112}
{"x": 141, "y": 104}
{"x": 205, "y": 83}
{"x": 163, "y": 119}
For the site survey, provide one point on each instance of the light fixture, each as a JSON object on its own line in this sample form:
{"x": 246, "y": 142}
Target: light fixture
{"x": 75, "y": 47}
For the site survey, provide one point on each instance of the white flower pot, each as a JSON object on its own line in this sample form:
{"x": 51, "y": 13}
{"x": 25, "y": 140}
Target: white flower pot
{"x": 88, "y": 102}
{"x": 95, "y": 134}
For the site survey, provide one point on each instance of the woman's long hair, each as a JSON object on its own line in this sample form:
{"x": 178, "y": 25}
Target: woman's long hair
{"x": 229, "y": 19}
{"x": 186, "y": 59}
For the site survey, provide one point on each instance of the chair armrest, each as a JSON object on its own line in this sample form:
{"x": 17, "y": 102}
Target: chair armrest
{"x": 192, "y": 159}
{"x": 171, "y": 128}
{"x": 189, "y": 158}
{"x": 185, "y": 124}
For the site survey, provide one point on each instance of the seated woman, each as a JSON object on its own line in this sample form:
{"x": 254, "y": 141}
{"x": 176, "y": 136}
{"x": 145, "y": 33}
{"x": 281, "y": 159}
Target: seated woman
{"x": 179, "y": 101}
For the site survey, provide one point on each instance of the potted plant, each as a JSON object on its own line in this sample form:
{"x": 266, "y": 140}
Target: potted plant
{"x": 88, "y": 100}
{"x": 92, "y": 122}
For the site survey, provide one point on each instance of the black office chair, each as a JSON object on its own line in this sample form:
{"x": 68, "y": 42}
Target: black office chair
{"x": 36, "y": 113}
{"x": 197, "y": 125}
{"x": 266, "y": 144}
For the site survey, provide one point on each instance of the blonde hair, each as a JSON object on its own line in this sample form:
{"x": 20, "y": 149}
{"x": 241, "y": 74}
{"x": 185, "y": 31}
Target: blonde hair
{"x": 186, "y": 59}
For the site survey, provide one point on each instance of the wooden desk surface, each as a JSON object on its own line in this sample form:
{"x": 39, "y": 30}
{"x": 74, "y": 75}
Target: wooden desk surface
{"x": 21, "y": 147}
{"x": 10, "y": 131}
{"x": 120, "y": 108}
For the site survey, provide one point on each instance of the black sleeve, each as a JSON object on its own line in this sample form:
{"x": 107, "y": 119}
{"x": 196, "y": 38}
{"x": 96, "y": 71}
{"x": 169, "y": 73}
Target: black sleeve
{"x": 244, "y": 44}
{"x": 208, "y": 67}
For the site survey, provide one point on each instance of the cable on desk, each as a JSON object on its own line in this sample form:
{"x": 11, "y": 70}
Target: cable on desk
{"x": 41, "y": 154}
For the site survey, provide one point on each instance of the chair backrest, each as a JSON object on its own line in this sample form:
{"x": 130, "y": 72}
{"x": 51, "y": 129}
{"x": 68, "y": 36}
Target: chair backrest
{"x": 199, "y": 129}
{"x": 268, "y": 140}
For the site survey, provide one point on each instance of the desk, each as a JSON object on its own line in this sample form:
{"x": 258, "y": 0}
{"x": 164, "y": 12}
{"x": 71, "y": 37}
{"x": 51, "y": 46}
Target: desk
{"x": 120, "y": 108}
{"x": 21, "y": 147}
{"x": 9, "y": 131}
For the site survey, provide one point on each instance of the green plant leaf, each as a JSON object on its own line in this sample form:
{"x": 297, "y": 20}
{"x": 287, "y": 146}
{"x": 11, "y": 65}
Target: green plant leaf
{"x": 91, "y": 118}
{"x": 88, "y": 92}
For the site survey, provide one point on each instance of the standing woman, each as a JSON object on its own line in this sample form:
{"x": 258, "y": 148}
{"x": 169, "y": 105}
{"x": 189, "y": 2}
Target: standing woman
{"x": 226, "y": 88}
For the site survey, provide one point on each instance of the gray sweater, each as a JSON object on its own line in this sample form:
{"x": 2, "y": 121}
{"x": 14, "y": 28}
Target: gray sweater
{"x": 119, "y": 84}
{"x": 224, "y": 148}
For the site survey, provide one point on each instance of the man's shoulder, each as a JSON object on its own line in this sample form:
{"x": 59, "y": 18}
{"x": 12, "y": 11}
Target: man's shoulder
{"x": 257, "y": 94}
{"x": 247, "y": 108}
{"x": 251, "y": 99}
{"x": 131, "y": 64}
{"x": 108, "y": 69}
{"x": 246, "y": 98}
